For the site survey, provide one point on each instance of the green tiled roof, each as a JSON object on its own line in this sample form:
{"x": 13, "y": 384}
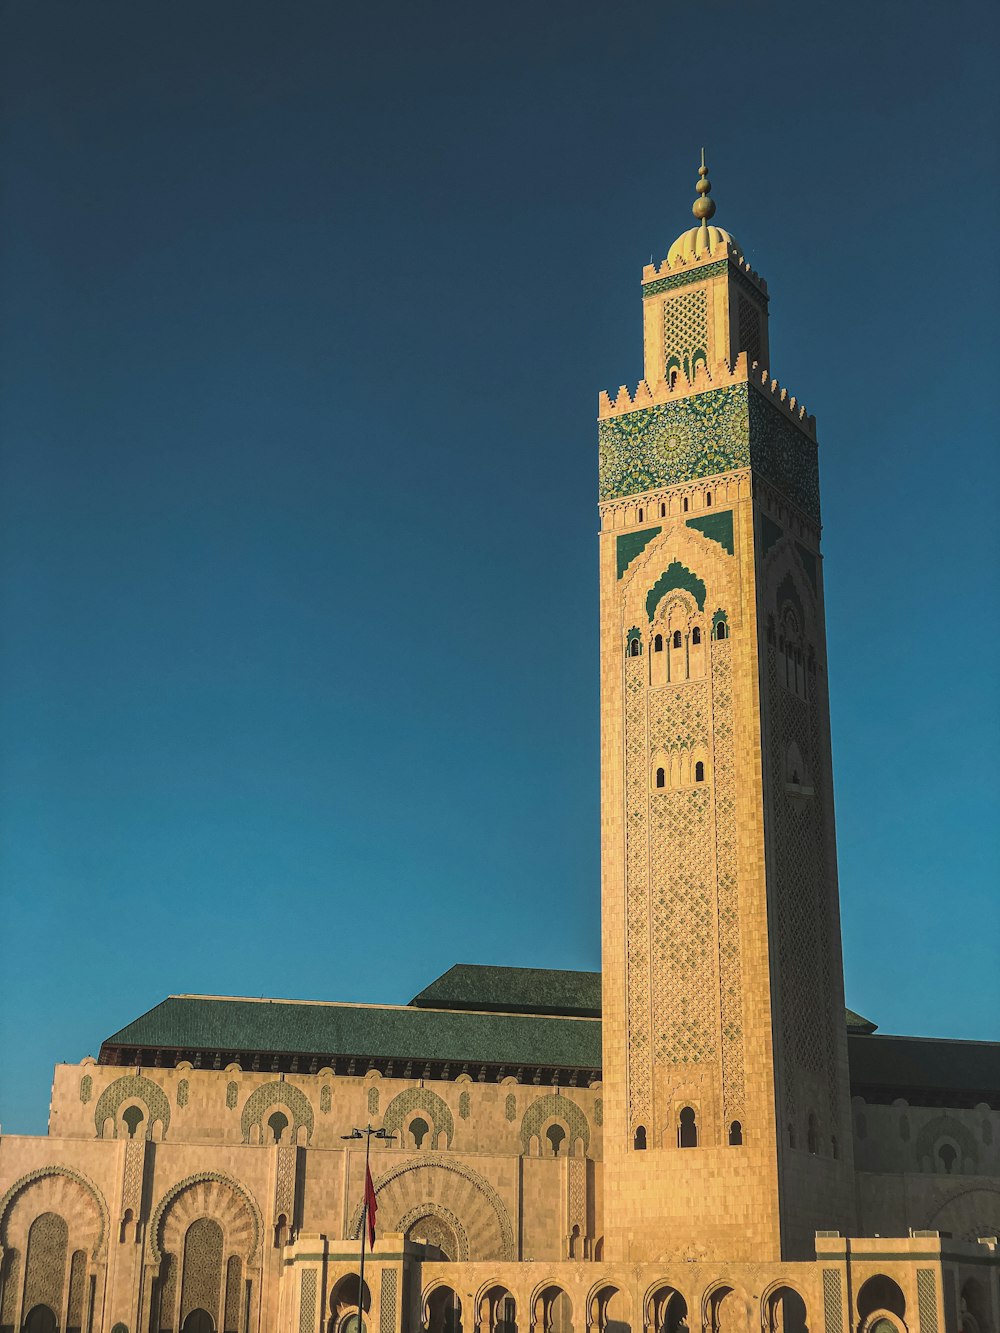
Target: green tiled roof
{"x": 859, "y": 1025}
{"x": 966, "y": 1072}
{"x": 192, "y": 1022}
{"x": 514, "y": 990}
{"x": 932, "y": 1071}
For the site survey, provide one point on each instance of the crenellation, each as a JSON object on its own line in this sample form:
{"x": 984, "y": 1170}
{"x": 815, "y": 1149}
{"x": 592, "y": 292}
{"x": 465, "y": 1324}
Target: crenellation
{"x": 723, "y": 373}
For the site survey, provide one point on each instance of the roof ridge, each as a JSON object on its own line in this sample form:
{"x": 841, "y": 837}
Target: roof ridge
{"x": 396, "y": 1008}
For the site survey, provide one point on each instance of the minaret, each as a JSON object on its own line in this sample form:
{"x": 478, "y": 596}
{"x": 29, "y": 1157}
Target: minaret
{"x": 727, "y": 1127}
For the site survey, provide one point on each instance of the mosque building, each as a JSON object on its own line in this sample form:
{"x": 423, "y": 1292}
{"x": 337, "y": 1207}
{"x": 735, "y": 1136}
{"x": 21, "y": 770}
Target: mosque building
{"x": 699, "y": 1139}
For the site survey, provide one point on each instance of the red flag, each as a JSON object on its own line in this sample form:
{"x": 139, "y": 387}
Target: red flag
{"x": 371, "y": 1207}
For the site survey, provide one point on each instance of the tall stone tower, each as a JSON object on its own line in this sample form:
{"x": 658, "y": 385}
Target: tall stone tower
{"x": 727, "y": 1126}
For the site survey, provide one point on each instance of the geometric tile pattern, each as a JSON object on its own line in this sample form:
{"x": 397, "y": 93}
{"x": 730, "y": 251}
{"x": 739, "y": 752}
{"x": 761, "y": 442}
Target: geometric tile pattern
{"x": 561, "y": 1108}
{"x": 685, "y": 329}
{"x": 201, "y": 1283}
{"x": 927, "y": 1300}
{"x": 640, "y": 1092}
{"x": 387, "y": 1301}
{"x": 307, "y": 1301}
{"x": 420, "y": 1099}
{"x": 727, "y": 870}
{"x": 833, "y": 1302}
{"x": 48, "y": 1240}
{"x": 701, "y": 435}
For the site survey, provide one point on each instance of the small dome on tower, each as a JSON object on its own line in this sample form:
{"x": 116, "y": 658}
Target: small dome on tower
{"x": 697, "y": 242}
{"x": 702, "y": 240}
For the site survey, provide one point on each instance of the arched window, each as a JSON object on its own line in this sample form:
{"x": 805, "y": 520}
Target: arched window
{"x": 663, "y": 511}
{"x": 419, "y": 1129}
{"x": 133, "y": 1118}
{"x": 634, "y": 647}
{"x": 639, "y": 1140}
{"x": 677, "y": 638}
{"x": 812, "y": 1134}
{"x": 696, "y": 635}
{"x": 699, "y": 772}
{"x": 947, "y": 1156}
{"x": 684, "y": 504}
{"x": 735, "y": 1134}
{"x": 661, "y": 778}
{"x": 556, "y": 1136}
{"x": 687, "y": 1128}
{"x": 277, "y": 1124}
{"x": 658, "y": 644}
{"x": 642, "y": 513}
{"x": 721, "y": 630}
{"x": 673, "y": 379}
{"x": 708, "y": 499}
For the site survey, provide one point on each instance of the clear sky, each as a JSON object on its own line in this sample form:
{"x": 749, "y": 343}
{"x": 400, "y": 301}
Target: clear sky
{"x": 305, "y": 310}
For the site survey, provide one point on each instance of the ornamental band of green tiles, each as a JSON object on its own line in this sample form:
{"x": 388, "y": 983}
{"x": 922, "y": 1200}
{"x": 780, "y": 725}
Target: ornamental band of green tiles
{"x": 719, "y": 430}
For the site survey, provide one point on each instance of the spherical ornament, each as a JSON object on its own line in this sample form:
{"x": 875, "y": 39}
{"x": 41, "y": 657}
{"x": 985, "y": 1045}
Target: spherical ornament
{"x": 703, "y": 208}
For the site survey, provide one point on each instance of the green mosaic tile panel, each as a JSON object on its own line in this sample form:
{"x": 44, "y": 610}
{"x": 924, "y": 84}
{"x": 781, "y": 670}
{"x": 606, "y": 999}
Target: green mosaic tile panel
{"x": 785, "y": 456}
{"x": 717, "y": 527}
{"x": 631, "y": 544}
{"x": 657, "y": 285}
{"x": 698, "y": 436}
{"x": 705, "y": 434}
{"x": 674, "y": 576}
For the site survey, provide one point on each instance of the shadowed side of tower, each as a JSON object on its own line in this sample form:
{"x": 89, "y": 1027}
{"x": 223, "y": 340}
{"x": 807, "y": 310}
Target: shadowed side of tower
{"x": 727, "y": 1110}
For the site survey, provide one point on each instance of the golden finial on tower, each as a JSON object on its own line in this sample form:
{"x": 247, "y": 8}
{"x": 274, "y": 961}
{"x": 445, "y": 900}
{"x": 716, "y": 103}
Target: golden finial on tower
{"x": 703, "y": 207}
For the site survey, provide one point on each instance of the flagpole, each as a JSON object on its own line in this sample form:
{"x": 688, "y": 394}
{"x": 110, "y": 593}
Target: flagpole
{"x": 367, "y": 1134}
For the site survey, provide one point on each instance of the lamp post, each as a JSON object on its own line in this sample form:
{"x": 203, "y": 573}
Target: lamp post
{"x": 367, "y": 1134}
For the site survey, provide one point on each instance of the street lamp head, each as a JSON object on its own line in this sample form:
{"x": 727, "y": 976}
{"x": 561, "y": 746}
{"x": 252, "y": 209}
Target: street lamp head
{"x": 354, "y": 1134}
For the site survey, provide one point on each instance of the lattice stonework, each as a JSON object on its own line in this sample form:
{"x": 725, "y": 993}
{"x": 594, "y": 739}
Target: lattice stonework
{"x": 685, "y": 327}
{"x": 682, "y": 891}
{"x": 234, "y": 1286}
{"x": 77, "y": 1282}
{"x": 749, "y": 330}
{"x": 307, "y": 1301}
{"x": 727, "y": 880}
{"x": 577, "y": 1195}
{"x": 833, "y": 1302}
{"x": 135, "y": 1156}
{"x": 201, "y": 1280}
{"x": 284, "y": 1183}
{"x": 636, "y": 892}
{"x": 48, "y": 1240}
{"x": 927, "y": 1300}
{"x": 387, "y": 1301}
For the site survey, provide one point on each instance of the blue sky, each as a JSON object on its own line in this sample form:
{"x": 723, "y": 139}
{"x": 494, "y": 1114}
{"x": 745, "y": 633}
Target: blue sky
{"x": 305, "y": 311}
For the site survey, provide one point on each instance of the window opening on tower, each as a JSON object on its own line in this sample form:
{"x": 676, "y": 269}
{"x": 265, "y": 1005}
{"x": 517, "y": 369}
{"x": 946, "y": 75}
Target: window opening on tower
{"x": 687, "y": 1128}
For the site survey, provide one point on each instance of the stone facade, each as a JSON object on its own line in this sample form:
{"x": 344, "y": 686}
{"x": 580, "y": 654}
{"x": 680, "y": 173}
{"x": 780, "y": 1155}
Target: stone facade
{"x": 708, "y": 1146}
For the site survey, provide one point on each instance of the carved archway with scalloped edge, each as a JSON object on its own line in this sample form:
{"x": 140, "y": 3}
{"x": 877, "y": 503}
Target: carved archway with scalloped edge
{"x": 208, "y": 1194}
{"x": 55, "y": 1189}
{"x": 408, "y": 1187}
